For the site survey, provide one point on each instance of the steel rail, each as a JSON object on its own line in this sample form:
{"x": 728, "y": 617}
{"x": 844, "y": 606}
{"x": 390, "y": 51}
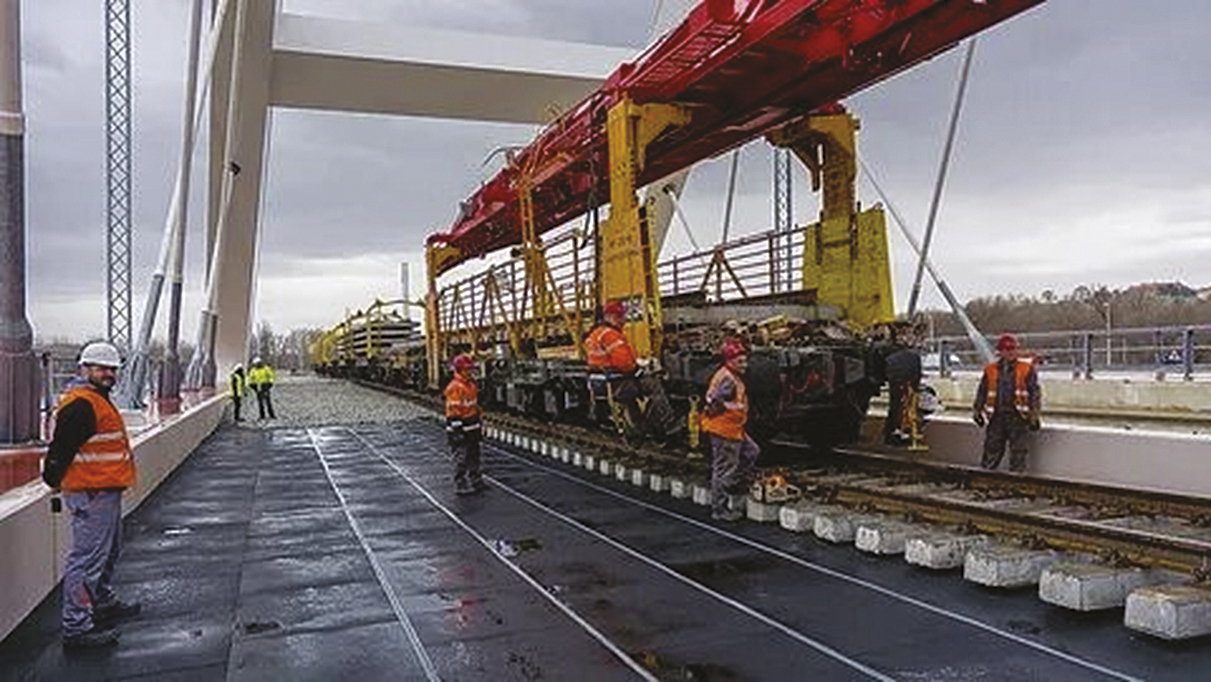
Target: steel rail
{"x": 1118, "y": 544}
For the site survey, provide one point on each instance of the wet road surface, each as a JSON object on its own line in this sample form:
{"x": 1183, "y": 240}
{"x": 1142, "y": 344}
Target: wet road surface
{"x": 341, "y": 552}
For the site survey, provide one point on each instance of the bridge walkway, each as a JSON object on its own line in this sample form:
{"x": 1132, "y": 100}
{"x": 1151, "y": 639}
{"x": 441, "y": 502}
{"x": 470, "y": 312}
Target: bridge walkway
{"x": 337, "y": 550}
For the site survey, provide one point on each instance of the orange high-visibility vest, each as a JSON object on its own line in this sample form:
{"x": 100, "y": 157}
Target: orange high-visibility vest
{"x": 105, "y": 460}
{"x": 730, "y": 423}
{"x": 607, "y": 348}
{"x": 462, "y": 399}
{"x": 1021, "y": 396}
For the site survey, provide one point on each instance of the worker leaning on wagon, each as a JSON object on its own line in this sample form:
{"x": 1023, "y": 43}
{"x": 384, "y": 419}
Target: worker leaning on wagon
{"x": 609, "y": 351}
{"x": 464, "y": 426}
{"x": 733, "y": 452}
{"x": 1008, "y": 400}
{"x": 260, "y": 379}
{"x": 90, "y": 461}
{"x": 239, "y": 385}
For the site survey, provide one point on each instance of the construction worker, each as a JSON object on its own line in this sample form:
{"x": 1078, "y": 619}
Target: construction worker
{"x": 90, "y": 461}
{"x": 463, "y": 425}
{"x": 1008, "y": 401}
{"x": 733, "y": 452}
{"x": 609, "y": 351}
{"x": 239, "y": 383}
{"x": 903, "y": 368}
{"x": 260, "y": 378}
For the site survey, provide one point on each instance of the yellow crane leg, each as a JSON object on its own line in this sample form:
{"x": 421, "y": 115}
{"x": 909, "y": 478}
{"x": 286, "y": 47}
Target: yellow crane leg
{"x": 626, "y": 263}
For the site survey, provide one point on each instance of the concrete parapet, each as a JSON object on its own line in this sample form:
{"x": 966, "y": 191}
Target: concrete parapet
{"x": 1170, "y": 611}
{"x": 1092, "y": 587}
{"x": 639, "y": 478}
{"x": 702, "y": 495}
{"x": 941, "y": 550}
{"x": 1006, "y": 565}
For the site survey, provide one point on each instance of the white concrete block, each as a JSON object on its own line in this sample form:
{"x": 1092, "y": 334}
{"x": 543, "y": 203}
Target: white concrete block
{"x": 577, "y": 459}
{"x": 1006, "y": 565}
{"x": 589, "y": 462}
{"x": 885, "y": 538}
{"x": 702, "y": 494}
{"x": 658, "y": 483}
{"x": 799, "y": 517}
{"x": 605, "y": 466}
{"x": 840, "y": 525}
{"x": 680, "y": 488}
{"x": 622, "y": 472}
{"x": 1170, "y": 611}
{"x": 940, "y": 550}
{"x": 1092, "y": 587}
{"x": 760, "y": 511}
{"x": 639, "y": 478}
{"x": 565, "y": 455}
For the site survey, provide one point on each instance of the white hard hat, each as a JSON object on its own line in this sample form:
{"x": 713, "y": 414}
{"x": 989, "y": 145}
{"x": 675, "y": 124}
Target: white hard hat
{"x": 256, "y": 360}
{"x": 101, "y": 354}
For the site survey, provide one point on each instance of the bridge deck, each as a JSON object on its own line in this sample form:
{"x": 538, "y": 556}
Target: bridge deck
{"x": 325, "y": 550}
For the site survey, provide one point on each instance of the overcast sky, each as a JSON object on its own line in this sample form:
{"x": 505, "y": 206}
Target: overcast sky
{"x": 1082, "y": 157}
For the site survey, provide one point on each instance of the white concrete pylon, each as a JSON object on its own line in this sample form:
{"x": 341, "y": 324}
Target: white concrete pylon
{"x": 336, "y": 65}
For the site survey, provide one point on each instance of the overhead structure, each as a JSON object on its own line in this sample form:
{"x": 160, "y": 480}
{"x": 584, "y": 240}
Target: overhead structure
{"x": 740, "y": 69}
{"x": 117, "y": 172}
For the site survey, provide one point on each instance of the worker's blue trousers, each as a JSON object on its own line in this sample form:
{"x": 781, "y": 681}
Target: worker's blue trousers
{"x": 732, "y": 463}
{"x": 96, "y": 541}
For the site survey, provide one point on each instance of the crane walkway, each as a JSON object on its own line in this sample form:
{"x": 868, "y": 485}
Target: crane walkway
{"x": 330, "y": 545}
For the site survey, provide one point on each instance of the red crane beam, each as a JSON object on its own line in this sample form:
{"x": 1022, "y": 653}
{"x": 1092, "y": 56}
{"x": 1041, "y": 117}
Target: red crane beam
{"x": 743, "y": 68}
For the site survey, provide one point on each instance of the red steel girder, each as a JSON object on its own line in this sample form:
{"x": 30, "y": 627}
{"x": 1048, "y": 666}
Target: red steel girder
{"x": 743, "y": 67}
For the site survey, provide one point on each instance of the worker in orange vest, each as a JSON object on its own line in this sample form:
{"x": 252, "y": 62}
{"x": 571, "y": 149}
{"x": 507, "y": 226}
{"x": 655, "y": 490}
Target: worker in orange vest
{"x": 1008, "y": 401}
{"x": 733, "y": 452}
{"x": 609, "y": 351}
{"x": 90, "y": 461}
{"x": 463, "y": 426}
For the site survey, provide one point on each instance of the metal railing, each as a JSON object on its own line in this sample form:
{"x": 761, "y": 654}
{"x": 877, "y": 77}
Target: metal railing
{"x": 1182, "y": 350}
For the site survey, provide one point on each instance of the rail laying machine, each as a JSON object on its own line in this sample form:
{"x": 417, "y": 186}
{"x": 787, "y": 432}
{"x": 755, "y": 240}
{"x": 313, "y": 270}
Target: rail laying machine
{"x": 812, "y": 301}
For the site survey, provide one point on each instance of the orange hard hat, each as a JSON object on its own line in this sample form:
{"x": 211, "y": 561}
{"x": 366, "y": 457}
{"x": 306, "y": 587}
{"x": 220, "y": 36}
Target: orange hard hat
{"x": 614, "y": 309}
{"x": 733, "y": 348}
{"x": 1007, "y": 342}
{"x": 462, "y": 362}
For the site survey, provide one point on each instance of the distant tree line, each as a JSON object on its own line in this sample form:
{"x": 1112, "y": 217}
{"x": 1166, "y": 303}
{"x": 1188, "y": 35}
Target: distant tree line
{"x": 1084, "y": 308}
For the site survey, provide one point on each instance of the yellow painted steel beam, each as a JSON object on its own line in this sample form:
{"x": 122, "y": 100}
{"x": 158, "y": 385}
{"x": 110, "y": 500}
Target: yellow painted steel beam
{"x": 626, "y": 260}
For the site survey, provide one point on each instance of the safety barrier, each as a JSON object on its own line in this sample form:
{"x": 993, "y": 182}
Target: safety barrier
{"x": 36, "y": 539}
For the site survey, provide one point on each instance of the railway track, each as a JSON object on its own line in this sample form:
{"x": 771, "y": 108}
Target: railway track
{"x": 1111, "y": 526}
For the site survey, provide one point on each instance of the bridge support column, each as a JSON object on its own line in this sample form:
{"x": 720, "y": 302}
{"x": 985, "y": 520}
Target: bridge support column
{"x": 239, "y": 140}
{"x": 18, "y": 366}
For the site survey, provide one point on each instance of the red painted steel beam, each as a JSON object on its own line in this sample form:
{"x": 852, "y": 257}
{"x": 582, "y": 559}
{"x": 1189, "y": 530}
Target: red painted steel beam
{"x": 743, "y": 67}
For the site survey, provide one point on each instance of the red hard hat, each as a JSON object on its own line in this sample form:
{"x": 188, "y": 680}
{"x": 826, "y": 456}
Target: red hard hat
{"x": 733, "y": 348}
{"x": 1007, "y": 342}
{"x": 614, "y": 309}
{"x": 462, "y": 362}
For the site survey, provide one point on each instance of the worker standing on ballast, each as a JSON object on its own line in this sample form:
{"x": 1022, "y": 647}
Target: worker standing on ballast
{"x": 1008, "y": 400}
{"x": 609, "y": 351}
{"x": 464, "y": 426}
{"x": 239, "y": 385}
{"x": 90, "y": 460}
{"x": 260, "y": 378}
{"x": 733, "y": 452}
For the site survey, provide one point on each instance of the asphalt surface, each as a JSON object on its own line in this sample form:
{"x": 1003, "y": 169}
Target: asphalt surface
{"x": 315, "y": 552}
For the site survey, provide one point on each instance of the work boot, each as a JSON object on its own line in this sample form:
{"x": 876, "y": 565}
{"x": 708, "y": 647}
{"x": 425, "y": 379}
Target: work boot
{"x": 464, "y": 488}
{"x": 116, "y": 610}
{"x": 728, "y": 515}
{"x": 96, "y": 638}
